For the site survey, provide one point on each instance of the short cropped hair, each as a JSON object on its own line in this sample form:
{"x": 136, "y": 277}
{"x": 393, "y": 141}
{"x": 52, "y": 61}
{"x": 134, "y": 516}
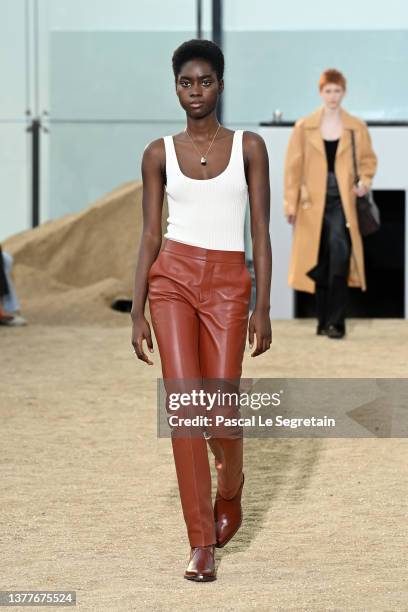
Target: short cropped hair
{"x": 201, "y": 49}
{"x": 331, "y": 75}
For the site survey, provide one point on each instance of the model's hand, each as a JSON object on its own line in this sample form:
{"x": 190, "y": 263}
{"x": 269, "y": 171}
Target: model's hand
{"x": 360, "y": 190}
{"x": 140, "y": 332}
{"x": 260, "y": 324}
{"x": 291, "y": 219}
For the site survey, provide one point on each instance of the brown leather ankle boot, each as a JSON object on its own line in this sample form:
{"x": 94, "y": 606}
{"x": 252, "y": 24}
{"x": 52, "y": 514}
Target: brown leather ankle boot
{"x": 228, "y": 516}
{"x": 201, "y": 567}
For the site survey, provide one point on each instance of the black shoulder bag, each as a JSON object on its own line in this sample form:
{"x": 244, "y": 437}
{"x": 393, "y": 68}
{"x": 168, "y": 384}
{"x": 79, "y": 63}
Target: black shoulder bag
{"x": 368, "y": 213}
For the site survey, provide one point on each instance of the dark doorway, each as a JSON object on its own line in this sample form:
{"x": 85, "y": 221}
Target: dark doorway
{"x": 384, "y": 257}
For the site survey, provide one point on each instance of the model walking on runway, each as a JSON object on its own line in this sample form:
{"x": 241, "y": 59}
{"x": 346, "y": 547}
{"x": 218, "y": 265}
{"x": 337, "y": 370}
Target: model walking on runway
{"x": 320, "y": 201}
{"x": 198, "y": 285}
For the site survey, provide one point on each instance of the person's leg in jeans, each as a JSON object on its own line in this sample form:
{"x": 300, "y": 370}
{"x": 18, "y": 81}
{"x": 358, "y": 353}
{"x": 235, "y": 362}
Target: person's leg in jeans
{"x": 9, "y": 300}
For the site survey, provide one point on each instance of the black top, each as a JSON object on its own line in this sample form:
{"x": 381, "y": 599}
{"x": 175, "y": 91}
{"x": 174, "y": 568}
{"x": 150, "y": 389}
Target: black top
{"x": 331, "y": 148}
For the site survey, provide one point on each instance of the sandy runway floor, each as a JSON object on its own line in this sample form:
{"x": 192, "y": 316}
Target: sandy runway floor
{"x": 90, "y": 499}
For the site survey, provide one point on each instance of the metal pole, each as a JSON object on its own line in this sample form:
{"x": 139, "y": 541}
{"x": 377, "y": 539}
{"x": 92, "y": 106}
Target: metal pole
{"x": 217, "y": 38}
{"x": 199, "y": 6}
{"x": 35, "y": 129}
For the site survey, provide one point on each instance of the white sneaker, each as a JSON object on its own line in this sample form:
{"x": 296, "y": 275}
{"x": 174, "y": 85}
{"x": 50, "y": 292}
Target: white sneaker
{"x": 14, "y": 321}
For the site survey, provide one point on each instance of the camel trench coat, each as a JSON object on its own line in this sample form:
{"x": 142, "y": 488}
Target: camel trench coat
{"x": 305, "y": 179}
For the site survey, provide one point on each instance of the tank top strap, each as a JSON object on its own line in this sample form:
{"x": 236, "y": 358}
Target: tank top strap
{"x": 237, "y": 153}
{"x": 172, "y": 166}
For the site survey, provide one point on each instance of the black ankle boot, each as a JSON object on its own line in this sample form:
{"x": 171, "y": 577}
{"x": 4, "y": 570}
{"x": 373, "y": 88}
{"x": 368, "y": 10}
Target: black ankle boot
{"x": 336, "y": 331}
{"x": 321, "y": 330}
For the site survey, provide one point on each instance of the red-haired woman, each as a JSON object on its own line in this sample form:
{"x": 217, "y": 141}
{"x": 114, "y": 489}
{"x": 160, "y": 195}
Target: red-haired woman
{"x": 320, "y": 201}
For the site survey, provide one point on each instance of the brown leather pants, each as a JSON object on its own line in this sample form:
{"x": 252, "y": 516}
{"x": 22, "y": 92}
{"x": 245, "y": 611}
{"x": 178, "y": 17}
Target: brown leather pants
{"x": 199, "y": 304}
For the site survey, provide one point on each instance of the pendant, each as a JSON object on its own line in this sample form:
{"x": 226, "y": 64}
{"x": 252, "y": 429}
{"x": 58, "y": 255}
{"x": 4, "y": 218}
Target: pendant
{"x": 203, "y": 161}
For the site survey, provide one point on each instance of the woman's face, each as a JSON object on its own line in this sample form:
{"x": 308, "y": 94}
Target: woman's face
{"x": 332, "y": 95}
{"x": 198, "y": 88}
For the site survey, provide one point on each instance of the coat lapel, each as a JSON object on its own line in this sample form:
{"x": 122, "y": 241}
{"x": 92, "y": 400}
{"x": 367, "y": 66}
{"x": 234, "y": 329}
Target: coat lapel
{"x": 312, "y": 125}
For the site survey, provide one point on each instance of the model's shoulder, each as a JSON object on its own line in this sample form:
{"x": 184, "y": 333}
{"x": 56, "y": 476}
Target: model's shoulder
{"x": 352, "y": 121}
{"x": 302, "y": 121}
{"x": 253, "y": 147}
{"x": 155, "y": 147}
{"x": 252, "y": 140}
{"x": 155, "y": 152}
{"x": 358, "y": 121}
{"x": 310, "y": 120}
{"x": 251, "y": 136}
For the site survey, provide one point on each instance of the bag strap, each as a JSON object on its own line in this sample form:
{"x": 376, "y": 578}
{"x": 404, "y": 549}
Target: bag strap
{"x": 353, "y": 146}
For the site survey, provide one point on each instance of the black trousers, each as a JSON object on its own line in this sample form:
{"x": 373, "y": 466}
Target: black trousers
{"x": 331, "y": 271}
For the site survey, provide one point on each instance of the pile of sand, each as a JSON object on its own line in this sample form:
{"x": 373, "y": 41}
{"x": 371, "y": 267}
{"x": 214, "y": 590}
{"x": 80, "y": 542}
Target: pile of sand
{"x": 69, "y": 270}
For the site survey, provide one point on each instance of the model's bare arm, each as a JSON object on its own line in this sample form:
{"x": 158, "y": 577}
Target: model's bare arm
{"x": 257, "y": 172}
{"x": 150, "y": 242}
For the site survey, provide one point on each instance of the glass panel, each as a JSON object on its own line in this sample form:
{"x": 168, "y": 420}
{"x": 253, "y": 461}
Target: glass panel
{"x": 111, "y": 93}
{"x": 12, "y": 59}
{"x": 87, "y": 161}
{"x": 312, "y": 16}
{"x": 283, "y": 68}
{"x": 14, "y": 140}
{"x": 14, "y": 179}
{"x": 114, "y": 75}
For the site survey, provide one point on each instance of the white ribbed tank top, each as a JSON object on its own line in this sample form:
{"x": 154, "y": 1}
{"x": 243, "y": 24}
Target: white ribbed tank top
{"x": 208, "y": 213}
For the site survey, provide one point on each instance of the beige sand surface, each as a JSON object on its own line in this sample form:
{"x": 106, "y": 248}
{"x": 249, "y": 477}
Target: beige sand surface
{"x": 89, "y": 493}
{"x": 90, "y": 499}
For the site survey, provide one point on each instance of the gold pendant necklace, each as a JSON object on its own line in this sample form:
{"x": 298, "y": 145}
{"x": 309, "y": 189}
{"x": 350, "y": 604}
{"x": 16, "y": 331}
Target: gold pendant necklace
{"x": 203, "y": 160}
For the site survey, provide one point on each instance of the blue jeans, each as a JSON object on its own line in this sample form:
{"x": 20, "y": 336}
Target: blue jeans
{"x": 9, "y": 301}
